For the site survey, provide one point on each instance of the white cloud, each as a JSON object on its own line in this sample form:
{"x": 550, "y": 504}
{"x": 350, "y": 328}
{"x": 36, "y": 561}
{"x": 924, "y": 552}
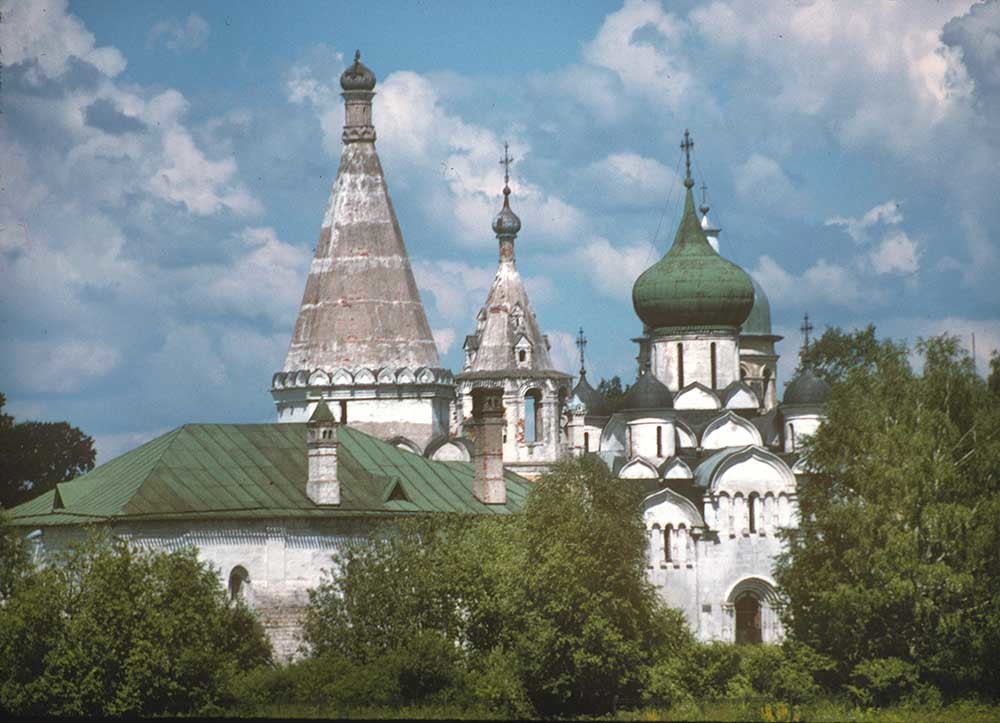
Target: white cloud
{"x": 457, "y": 288}
{"x": 44, "y": 36}
{"x": 887, "y": 213}
{"x": 761, "y": 181}
{"x": 180, "y": 36}
{"x": 62, "y": 366}
{"x": 629, "y": 179}
{"x": 443, "y": 338}
{"x": 824, "y": 282}
{"x": 613, "y": 269}
{"x": 897, "y": 253}
{"x": 642, "y": 44}
{"x": 563, "y": 351}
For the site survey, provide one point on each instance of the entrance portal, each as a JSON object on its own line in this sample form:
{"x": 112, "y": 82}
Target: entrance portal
{"x": 748, "y": 629}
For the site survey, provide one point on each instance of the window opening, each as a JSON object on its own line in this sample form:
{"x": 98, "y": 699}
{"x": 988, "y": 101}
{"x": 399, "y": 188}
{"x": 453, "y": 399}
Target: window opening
{"x": 343, "y": 411}
{"x": 667, "y": 542}
{"x": 586, "y": 441}
{"x": 748, "y": 629}
{"x": 522, "y": 355}
{"x": 752, "y": 511}
{"x": 533, "y": 426}
{"x": 680, "y": 365}
{"x": 659, "y": 441}
{"x": 712, "y": 349}
{"x": 791, "y": 435}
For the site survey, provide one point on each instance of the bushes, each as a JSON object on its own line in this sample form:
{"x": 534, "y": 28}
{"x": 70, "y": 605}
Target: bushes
{"x": 107, "y": 629}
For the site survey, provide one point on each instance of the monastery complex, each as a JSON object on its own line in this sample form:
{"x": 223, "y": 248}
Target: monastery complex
{"x": 370, "y": 427}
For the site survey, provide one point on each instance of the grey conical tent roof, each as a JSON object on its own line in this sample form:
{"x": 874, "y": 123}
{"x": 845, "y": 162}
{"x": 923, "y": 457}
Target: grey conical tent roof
{"x": 361, "y": 306}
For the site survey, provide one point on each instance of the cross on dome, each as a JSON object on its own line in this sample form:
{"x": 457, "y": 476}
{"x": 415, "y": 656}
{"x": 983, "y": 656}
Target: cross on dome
{"x": 806, "y": 328}
{"x": 581, "y": 344}
{"x": 505, "y": 162}
{"x": 686, "y": 146}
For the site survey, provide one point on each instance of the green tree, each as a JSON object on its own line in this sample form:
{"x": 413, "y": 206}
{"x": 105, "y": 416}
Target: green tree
{"x": 896, "y": 561}
{"x": 613, "y": 392}
{"x": 39, "y": 455}
{"x": 107, "y": 629}
{"x": 15, "y": 563}
{"x": 837, "y": 352}
{"x": 994, "y": 377}
{"x": 554, "y": 598}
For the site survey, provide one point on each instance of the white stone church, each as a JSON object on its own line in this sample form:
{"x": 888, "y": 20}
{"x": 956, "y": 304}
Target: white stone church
{"x": 371, "y": 428}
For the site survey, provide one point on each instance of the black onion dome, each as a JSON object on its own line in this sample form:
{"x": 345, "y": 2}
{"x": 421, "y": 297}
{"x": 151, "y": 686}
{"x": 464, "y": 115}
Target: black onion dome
{"x": 357, "y": 76}
{"x": 592, "y": 399}
{"x": 648, "y": 392}
{"x": 806, "y": 388}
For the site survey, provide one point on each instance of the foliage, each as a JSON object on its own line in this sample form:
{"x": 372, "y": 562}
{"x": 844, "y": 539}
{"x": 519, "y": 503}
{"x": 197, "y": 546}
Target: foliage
{"x": 613, "y": 392}
{"x": 108, "y": 629}
{"x": 836, "y": 353}
{"x": 993, "y": 380}
{"x": 39, "y": 455}
{"x": 554, "y": 598}
{"x": 15, "y": 559}
{"x": 897, "y": 555}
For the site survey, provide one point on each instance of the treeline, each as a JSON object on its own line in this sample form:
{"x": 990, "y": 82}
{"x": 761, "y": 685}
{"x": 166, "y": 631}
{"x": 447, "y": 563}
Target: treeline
{"x": 891, "y": 587}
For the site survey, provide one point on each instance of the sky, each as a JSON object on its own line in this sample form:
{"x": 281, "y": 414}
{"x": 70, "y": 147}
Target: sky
{"x": 166, "y": 167}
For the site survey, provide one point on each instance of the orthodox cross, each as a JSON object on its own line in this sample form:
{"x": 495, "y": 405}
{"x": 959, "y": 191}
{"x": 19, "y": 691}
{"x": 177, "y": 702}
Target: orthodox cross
{"x": 581, "y": 344}
{"x": 505, "y": 162}
{"x": 805, "y": 329}
{"x": 704, "y": 193}
{"x": 686, "y": 146}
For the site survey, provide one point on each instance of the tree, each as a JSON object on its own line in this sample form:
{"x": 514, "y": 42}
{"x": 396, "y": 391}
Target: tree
{"x": 994, "y": 378}
{"x": 613, "y": 392}
{"x": 837, "y": 352}
{"x": 39, "y": 455}
{"x": 554, "y": 598}
{"x": 895, "y": 565}
{"x": 109, "y": 630}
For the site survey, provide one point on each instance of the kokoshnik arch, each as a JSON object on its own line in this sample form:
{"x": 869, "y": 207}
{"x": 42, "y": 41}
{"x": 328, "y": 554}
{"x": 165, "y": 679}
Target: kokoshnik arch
{"x": 371, "y": 428}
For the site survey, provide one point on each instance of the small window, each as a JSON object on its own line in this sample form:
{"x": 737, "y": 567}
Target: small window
{"x": 753, "y": 504}
{"x": 586, "y": 441}
{"x": 343, "y": 411}
{"x": 714, "y": 368}
{"x": 791, "y": 435}
{"x": 521, "y": 355}
{"x": 667, "y": 541}
{"x": 533, "y": 424}
{"x": 659, "y": 441}
{"x": 680, "y": 366}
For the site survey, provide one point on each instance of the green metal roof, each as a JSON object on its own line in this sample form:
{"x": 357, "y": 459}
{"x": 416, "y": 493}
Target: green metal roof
{"x": 692, "y": 286}
{"x": 250, "y": 471}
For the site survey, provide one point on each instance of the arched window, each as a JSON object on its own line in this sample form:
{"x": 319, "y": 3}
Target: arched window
{"x": 239, "y": 584}
{"x": 767, "y": 380}
{"x": 791, "y": 436}
{"x": 748, "y": 628}
{"x": 680, "y": 365}
{"x": 714, "y": 368}
{"x": 659, "y": 441}
{"x": 753, "y": 508}
{"x": 668, "y": 541}
{"x": 586, "y": 441}
{"x": 533, "y": 426}
{"x": 521, "y": 355}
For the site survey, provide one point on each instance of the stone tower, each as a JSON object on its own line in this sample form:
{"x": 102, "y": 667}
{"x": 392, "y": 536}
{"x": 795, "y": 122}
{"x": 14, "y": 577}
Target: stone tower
{"x": 361, "y": 341}
{"x": 509, "y": 352}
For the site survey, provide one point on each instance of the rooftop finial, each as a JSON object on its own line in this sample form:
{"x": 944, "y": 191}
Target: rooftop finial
{"x": 505, "y": 162}
{"x": 357, "y": 57}
{"x": 806, "y": 328}
{"x": 581, "y": 344}
{"x": 686, "y": 146}
{"x": 704, "y": 198}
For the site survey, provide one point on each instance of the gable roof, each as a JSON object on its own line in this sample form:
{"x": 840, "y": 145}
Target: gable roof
{"x": 252, "y": 471}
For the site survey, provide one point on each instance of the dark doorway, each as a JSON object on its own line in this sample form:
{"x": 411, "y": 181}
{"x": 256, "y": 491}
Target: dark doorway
{"x": 748, "y": 620}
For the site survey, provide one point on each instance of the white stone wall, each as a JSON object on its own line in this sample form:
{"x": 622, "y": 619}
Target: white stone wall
{"x": 798, "y": 425}
{"x": 642, "y": 434}
{"x": 697, "y": 359}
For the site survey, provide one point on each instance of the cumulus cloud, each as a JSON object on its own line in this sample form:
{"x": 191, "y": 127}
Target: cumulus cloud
{"x": 630, "y": 180}
{"x": 761, "y": 180}
{"x": 563, "y": 352}
{"x": 458, "y": 289}
{"x": 63, "y": 366}
{"x": 823, "y": 282}
{"x": 613, "y": 269}
{"x": 443, "y": 338}
{"x": 45, "y": 38}
{"x": 896, "y": 254}
{"x": 180, "y": 36}
{"x": 887, "y": 213}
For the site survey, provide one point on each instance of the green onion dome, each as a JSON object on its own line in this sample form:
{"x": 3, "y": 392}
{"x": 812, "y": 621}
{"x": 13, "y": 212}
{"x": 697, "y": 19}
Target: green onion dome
{"x": 759, "y": 321}
{"x": 692, "y": 286}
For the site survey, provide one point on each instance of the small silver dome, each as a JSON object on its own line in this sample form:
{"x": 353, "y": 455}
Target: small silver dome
{"x": 357, "y": 76}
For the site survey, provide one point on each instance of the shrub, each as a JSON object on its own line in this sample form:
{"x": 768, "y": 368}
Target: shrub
{"x": 883, "y": 681}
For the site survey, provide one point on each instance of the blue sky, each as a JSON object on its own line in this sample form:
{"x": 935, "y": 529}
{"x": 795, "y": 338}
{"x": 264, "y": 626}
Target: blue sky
{"x": 166, "y": 168}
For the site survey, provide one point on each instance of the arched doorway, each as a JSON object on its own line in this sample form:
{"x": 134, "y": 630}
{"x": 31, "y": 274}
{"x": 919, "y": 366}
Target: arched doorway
{"x": 748, "y": 627}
